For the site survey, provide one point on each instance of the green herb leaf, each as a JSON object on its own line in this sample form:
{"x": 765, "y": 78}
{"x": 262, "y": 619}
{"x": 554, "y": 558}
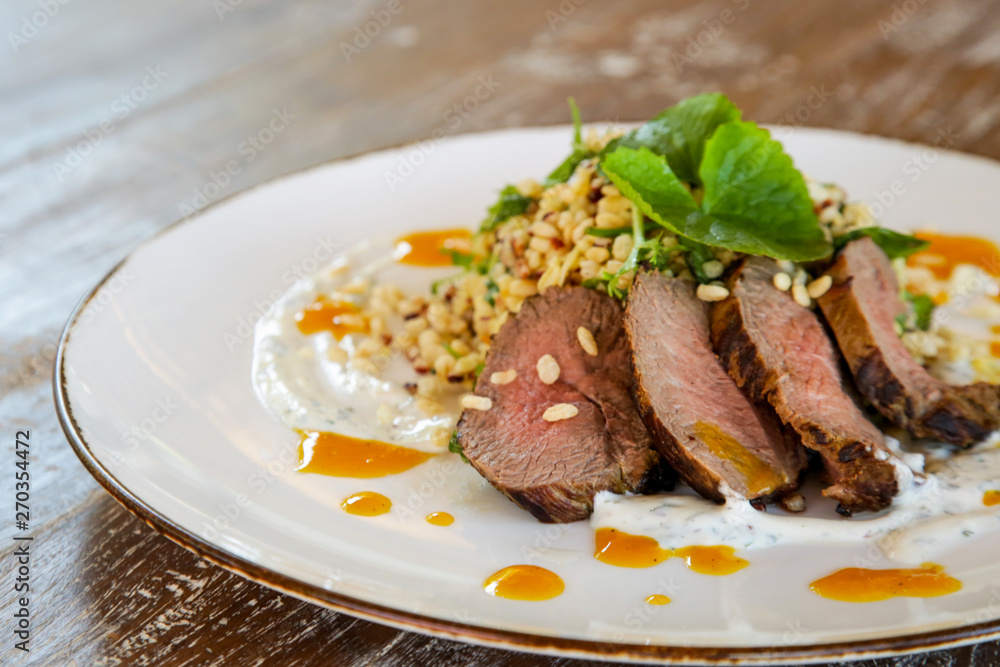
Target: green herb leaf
{"x": 455, "y": 446}
{"x": 647, "y": 180}
{"x": 755, "y": 199}
{"x": 580, "y": 152}
{"x": 461, "y": 259}
{"x": 511, "y": 203}
{"x": 492, "y": 289}
{"x": 679, "y": 133}
{"x": 923, "y": 308}
{"x": 574, "y": 111}
{"x": 894, "y": 244}
{"x": 697, "y": 255}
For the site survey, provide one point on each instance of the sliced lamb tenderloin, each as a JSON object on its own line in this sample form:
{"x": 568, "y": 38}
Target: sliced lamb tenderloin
{"x": 719, "y": 442}
{"x": 554, "y": 469}
{"x": 779, "y": 352}
{"x": 861, "y": 308}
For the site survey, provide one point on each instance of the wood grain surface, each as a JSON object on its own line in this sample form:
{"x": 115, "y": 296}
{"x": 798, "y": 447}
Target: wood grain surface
{"x": 116, "y": 114}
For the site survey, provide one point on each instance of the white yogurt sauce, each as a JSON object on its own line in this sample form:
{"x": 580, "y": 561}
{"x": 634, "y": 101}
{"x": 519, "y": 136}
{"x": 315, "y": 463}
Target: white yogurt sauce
{"x": 295, "y": 377}
{"x": 932, "y": 513}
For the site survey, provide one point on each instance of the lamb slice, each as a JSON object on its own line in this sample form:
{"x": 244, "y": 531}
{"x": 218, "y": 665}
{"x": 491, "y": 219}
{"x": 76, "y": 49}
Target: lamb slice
{"x": 861, "y": 308}
{"x": 779, "y": 352}
{"x": 719, "y": 442}
{"x": 553, "y": 469}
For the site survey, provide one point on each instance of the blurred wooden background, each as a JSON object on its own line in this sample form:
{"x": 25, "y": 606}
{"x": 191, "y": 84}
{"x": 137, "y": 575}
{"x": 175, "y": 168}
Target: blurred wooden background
{"x": 116, "y": 114}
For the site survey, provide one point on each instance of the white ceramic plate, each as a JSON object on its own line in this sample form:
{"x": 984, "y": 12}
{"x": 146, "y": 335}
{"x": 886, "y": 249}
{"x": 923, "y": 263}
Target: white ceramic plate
{"x": 154, "y": 392}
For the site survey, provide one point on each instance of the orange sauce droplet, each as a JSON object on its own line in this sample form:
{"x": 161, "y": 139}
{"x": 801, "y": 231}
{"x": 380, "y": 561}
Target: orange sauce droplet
{"x": 428, "y": 248}
{"x": 991, "y": 498}
{"x": 658, "y": 600}
{"x": 717, "y": 561}
{"x": 524, "y": 582}
{"x": 440, "y": 519}
{"x": 947, "y": 252}
{"x": 617, "y": 548}
{"x": 338, "y": 317}
{"x": 855, "y": 584}
{"x": 366, "y": 503}
{"x": 995, "y": 329}
{"x": 995, "y": 348}
{"x": 342, "y": 456}
{"x": 760, "y": 478}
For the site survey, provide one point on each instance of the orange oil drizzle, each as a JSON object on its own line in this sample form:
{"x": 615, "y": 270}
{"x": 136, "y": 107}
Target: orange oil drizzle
{"x": 338, "y": 317}
{"x": 428, "y": 248}
{"x": 855, "y": 584}
{"x": 760, "y": 478}
{"x": 991, "y": 498}
{"x": 524, "y": 582}
{"x": 624, "y": 550}
{"x": 717, "y": 560}
{"x": 658, "y": 600}
{"x": 366, "y": 503}
{"x": 947, "y": 252}
{"x": 995, "y": 348}
{"x": 440, "y": 519}
{"x": 342, "y": 456}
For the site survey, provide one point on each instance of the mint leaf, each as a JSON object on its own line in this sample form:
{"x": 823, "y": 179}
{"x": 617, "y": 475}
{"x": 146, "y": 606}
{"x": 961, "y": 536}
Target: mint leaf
{"x": 647, "y": 180}
{"x": 580, "y": 152}
{"x": 680, "y": 132}
{"x": 894, "y": 244}
{"x": 455, "y": 446}
{"x": 697, "y": 255}
{"x": 923, "y": 307}
{"x": 510, "y": 203}
{"x": 755, "y": 200}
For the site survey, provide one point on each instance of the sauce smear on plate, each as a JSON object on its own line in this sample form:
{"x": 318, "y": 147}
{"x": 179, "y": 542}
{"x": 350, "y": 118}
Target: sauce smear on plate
{"x": 366, "y": 503}
{"x": 717, "y": 560}
{"x": 342, "y": 456}
{"x": 623, "y": 550}
{"x": 429, "y": 248}
{"x": 440, "y": 519}
{"x": 856, "y": 584}
{"x": 991, "y": 498}
{"x": 658, "y": 600}
{"x": 947, "y": 252}
{"x": 338, "y": 317}
{"x": 524, "y": 582}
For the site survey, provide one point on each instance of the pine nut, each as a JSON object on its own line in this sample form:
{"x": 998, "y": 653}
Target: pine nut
{"x": 560, "y": 411}
{"x": 473, "y": 402}
{"x": 503, "y": 377}
{"x": 712, "y": 293}
{"x": 548, "y": 369}
{"x": 783, "y": 281}
{"x": 820, "y": 286}
{"x": 587, "y": 342}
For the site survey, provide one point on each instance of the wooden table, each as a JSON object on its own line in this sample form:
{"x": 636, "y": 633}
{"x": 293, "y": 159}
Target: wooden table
{"x": 115, "y": 114}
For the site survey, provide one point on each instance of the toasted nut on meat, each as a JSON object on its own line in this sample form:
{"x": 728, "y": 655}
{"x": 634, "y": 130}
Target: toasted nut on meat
{"x": 548, "y": 369}
{"x": 820, "y": 286}
{"x": 783, "y": 281}
{"x": 801, "y": 295}
{"x": 713, "y": 269}
{"x": 712, "y": 292}
{"x": 560, "y": 411}
{"x": 473, "y": 402}
{"x": 587, "y": 341}
{"x": 503, "y": 377}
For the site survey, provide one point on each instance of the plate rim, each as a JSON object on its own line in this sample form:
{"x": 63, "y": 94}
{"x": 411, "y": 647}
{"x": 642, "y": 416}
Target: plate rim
{"x": 896, "y": 644}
